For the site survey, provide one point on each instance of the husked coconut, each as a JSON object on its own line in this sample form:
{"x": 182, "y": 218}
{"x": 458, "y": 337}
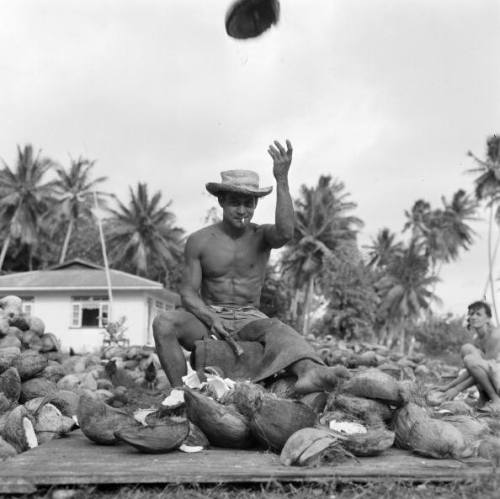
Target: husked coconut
{"x": 36, "y": 387}
{"x": 223, "y": 425}
{"x": 29, "y": 364}
{"x": 51, "y": 423}
{"x": 18, "y": 429}
{"x": 99, "y": 421}
{"x": 417, "y": 431}
{"x": 7, "y": 357}
{"x": 305, "y": 446}
{"x": 6, "y": 450}
{"x": 159, "y": 438}
{"x": 10, "y": 340}
{"x": 10, "y": 389}
{"x": 36, "y": 325}
{"x": 374, "y": 384}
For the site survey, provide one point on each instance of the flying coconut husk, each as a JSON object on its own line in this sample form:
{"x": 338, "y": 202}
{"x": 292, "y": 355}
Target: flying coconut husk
{"x": 222, "y": 424}
{"x": 371, "y": 411}
{"x": 8, "y": 356}
{"x": 250, "y": 18}
{"x": 417, "y": 431}
{"x": 370, "y": 443}
{"x": 10, "y": 389}
{"x": 6, "y": 450}
{"x": 155, "y": 439}
{"x": 18, "y": 429}
{"x": 99, "y": 421}
{"x": 308, "y": 446}
{"x": 374, "y": 384}
{"x": 30, "y": 363}
{"x": 36, "y": 387}
{"x": 51, "y": 423}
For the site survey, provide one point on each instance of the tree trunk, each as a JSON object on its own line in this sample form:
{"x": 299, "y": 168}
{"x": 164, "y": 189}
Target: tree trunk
{"x": 490, "y": 265}
{"x": 67, "y": 238}
{"x": 495, "y": 251}
{"x": 307, "y": 305}
{"x": 5, "y": 247}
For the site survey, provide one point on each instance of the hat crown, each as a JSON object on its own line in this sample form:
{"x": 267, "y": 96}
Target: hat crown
{"x": 240, "y": 178}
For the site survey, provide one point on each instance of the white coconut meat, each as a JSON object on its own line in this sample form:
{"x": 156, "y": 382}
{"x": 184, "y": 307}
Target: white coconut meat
{"x": 141, "y": 414}
{"x": 347, "y": 427}
{"x": 29, "y": 433}
{"x": 175, "y": 399}
{"x": 190, "y": 448}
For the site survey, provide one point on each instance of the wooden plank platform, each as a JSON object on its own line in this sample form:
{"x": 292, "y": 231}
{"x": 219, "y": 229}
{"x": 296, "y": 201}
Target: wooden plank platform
{"x": 76, "y": 460}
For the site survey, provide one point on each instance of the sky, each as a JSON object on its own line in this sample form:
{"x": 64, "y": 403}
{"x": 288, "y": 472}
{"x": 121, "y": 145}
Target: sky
{"x": 385, "y": 95}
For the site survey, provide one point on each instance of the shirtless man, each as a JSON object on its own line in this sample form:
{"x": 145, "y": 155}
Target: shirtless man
{"x": 224, "y": 274}
{"x": 481, "y": 360}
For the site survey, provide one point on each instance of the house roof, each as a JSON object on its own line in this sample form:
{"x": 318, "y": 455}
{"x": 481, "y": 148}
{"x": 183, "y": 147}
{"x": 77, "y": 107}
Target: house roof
{"x": 79, "y": 275}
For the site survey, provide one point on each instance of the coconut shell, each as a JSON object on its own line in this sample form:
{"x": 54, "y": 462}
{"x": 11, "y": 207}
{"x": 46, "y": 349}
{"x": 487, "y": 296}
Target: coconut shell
{"x": 98, "y": 421}
{"x": 6, "y": 450}
{"x": 10, "y": 340}
{"x": 36, "y": 387}
{"x": 372, "y": 443}
{"x": 51, "y": 423}
{"x": 275, "y": 420}
{"x": 29, "y": 364}
{"x": 155, "y": 439}
{"x": 250, "y": 18}
{"x": 374, "y": 384}
{"x": 7, "y": 357}
{"x": 417, "y": 431}
{"x": 300, "y": 441}
{"x": 223, "y": 425}
{"x": 10, "y": 389}
{"x": 18, "y": 429}
{"x": 36, "y": 325}
{"x": 370, "y": 411}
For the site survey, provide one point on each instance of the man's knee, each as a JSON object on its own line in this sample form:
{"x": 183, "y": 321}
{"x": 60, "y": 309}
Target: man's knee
{"x": 467, "y": 349}
{"x": 164, "y": 325}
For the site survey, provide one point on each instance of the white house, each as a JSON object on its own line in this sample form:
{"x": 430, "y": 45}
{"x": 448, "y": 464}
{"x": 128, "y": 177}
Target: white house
{"x": 72, "y": 300}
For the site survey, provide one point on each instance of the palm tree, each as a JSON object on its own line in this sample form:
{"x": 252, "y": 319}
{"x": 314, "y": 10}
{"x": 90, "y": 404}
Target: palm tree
{"x": 324, "y": 233}
{"x": 24, "y": 199}
{"x": 141, "y": 235}
{"x": 383, "y": 248}
{"x": 488, "y": 189}
{"x": 74, "y": 196}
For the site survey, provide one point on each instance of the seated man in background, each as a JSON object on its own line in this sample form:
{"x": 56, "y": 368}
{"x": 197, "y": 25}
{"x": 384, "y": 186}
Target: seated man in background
{"x": 481, "y": 359}
{"x": 222, "y": 282}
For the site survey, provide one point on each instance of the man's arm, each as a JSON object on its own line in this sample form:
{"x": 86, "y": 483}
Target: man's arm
{"x": 281, "y": 232}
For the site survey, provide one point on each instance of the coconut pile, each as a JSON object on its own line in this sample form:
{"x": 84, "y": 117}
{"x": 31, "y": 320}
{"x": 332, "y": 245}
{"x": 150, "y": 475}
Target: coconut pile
{"x": 118, "y": 398}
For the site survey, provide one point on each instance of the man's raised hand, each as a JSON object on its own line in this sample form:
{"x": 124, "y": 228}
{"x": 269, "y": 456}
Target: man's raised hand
{"x": 281, "y": 158}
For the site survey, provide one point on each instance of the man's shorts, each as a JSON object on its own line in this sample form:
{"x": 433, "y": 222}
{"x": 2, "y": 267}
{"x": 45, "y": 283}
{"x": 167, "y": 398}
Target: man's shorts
{"x": 234, "y": 317}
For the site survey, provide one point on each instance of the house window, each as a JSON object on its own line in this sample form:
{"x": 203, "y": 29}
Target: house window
{"x": 27, "y": 305}
{"x": 89, "y": 311}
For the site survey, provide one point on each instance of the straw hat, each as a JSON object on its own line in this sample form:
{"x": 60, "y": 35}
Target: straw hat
{"x": 239, "y": 181}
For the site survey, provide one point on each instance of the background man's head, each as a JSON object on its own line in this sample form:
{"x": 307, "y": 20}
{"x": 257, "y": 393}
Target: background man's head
{"x": 478, "y": 314}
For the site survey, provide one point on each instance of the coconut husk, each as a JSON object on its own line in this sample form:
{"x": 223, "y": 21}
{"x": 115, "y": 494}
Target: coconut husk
{"x": 196, "y": 437}
{"x": 29, "y": 364}
{"x": 339, "y": 416}
{"x": 15, "y": 331}
{"x": 374, "y": 384}
{"x": 33, "y": 405}
{"x": 489, "y": 448}
{"x": 9, "y": 341}
{"x": 30, "y": 337}
{"x": 7, "y": 357}
{"x": 223, "y": 425}
{"x": 283, "y": 387}
{"x": 51, "y": 423}
{"x": 11, "y": 305}
{"x": 36, "y": 325}
{"x": 368, "y": 359}
{"x": 69, "y": 382}
{"x": 49, "y": 343}
{"x": 316, "y": 401}
{"x": 4, "y": 325}
{"x": 274, "y": 420}
{"x": 6, "y": 450}
{"x": 243, "y": 396}
{"x": 18, "y": 429}
{"x": 53, "y": 372}
{"x": 417, "y": 431}
{"x": 472, "y": 429}
{"x": 372, "y": 443}
{"x": 36, "y": 387}
{"x": 455, "y": 407}
{"x": 10, "y": 389}
{"x": 155, "y": 439}
{"x": 20, "y": 321}
{"x": 371, "y": 412}
{"x": 98, "y": 421}
{"x": 66, "y": 401}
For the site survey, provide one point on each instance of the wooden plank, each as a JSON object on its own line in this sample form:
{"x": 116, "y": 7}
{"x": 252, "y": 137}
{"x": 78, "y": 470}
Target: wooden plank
{"x": 76, "y": 460}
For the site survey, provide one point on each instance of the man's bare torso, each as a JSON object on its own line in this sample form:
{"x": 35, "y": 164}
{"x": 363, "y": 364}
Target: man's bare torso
{"x": 233, "y": 268}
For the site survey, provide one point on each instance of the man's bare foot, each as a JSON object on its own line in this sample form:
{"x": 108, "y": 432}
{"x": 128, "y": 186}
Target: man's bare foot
{"x": 321, "y": 379}
{"x": 492, "y": 407}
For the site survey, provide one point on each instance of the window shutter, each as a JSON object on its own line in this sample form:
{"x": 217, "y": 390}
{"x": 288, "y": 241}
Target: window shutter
{"x": 76, "y": 315}
{"x": 27, "y": 308}
{"x": 103, "y": 319}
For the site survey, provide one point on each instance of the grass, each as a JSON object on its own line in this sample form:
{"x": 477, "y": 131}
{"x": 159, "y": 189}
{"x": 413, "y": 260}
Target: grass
{"x": 484, "y": 488}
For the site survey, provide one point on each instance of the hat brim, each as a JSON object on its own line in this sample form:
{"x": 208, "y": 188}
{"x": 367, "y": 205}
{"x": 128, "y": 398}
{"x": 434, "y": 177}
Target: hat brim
{"x": 216, "y": 189}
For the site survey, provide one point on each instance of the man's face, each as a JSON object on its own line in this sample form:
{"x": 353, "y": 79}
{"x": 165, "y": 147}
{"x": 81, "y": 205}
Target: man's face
{"x": 477, "y": 317}
{"x": 238, "y": 209}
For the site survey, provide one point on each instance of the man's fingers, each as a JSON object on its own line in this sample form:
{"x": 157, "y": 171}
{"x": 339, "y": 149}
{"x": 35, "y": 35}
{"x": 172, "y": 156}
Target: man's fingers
{"x": 280, "y": 147}
{"x": 289, "y": 147}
